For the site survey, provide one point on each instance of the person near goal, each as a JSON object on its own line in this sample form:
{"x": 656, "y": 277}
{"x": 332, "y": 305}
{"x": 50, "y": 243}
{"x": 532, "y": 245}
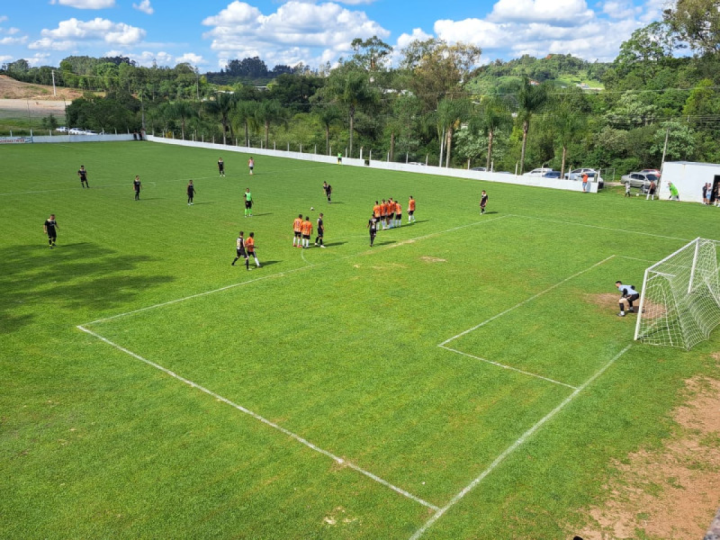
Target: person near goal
{"x": 628, "y": 296}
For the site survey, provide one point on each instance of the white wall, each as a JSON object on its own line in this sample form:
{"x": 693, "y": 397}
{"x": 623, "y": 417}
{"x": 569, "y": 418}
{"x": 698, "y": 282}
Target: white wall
{"x": 568, "y": 185}
{"x": 80, "y": 138}
{"x": 689, "y": 178}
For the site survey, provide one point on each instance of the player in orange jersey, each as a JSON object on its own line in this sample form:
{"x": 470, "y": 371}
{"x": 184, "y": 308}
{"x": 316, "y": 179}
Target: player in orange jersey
{"x": 411, "y": 209}
{"x": 389, "y": 218}
{"x": 383, "y": 213}
{"x": 297, "y": 231}
{"x": 250, "y": 250}
{"x": 376, "y": 210}
{"x": 398, "y": 214}
{"x": 307, "y": 229}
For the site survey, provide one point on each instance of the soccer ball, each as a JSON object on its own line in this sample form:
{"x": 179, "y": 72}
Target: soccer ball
{"x": 312, "y": 208}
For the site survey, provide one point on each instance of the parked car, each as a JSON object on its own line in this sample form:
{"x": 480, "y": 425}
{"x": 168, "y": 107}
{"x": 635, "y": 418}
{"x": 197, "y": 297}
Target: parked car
{"x": 538, "y": 172}
{"x": 552, "y": 174}
{"x": 651, "y": 171}
{"x": 481, "y": 169}
{"x": 61, "y": 129}
{"x": 639, "y": 179}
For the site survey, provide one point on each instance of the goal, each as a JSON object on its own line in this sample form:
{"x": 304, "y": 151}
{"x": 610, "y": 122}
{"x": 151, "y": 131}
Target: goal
{"x": 680, "y": 297}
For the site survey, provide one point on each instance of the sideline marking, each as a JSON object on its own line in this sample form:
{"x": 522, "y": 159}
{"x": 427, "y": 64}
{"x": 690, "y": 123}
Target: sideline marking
{"x": 602, "y": 228}
{"x": 525, "y": 436}
{"x": 280, "y": 274}
{"x": 264, "y": 420}
{"x": 508, "y": 367}
{"x": 524, "y": 302}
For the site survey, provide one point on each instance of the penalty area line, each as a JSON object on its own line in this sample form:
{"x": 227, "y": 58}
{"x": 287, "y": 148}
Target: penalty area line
{"x": 262, "y": 419}
{"x": 517, "y": 444}
{"x": 525, "y": 301}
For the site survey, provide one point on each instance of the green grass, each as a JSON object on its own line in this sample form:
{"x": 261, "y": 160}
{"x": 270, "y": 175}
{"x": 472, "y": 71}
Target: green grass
{"x": 339, "y": 346}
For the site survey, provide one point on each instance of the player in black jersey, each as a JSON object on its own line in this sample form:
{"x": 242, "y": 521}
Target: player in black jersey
{"x": 483, "y": 201}
{"x": 328, "y": 191}
{"x": 136, "y": 186}
{"x": 50, "y": 227}
{"x": 82, "y": 173}
{"x": 240, "y": 249}
{"x": 221, "y": 167}
{"x": 372, "y": 226}
{"x": 320, "y": 231}
{"x": 190, "y": 192}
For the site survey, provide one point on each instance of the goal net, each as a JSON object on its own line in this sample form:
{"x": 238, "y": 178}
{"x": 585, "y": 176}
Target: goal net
{"x": 680, "y": 297}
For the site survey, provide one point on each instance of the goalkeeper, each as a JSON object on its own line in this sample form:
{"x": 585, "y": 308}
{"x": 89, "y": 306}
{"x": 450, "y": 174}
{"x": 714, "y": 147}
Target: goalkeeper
{"x": 629, "y": 295}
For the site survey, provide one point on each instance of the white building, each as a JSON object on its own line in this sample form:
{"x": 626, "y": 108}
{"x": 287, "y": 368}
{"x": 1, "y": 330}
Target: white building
{"x": 689, "y": 178}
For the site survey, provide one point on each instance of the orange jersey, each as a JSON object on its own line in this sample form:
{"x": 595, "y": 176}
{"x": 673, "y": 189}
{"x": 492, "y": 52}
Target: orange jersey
{"x": 307, "y": 227}
{"x": 297, "y": 225}
{"x": 398, "y": 208}
{"x": 383, "y": 209}
{"x": 411, "y": 205}
{"x": 250, "y": 244}
{"x": 376, "y": 210}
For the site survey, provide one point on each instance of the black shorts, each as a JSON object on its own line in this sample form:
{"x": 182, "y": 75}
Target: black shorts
{"x": 411, "y": 212}
{"x": 373, "y": 232}
{"x": 251, "y": 254}
{"x": 251, "y": 167}
{"x": 321, "y": 234}
{"x": 390, "y": 216}
{"x": 241, "y": 253}
{"x": 52, "y": 235}
{"x": 398, "y": 216}
{"x": 248, "y": 204}
{"x": 306, "y": 236}
{"x": 221, "y": 168}
{"x": 298, "y": 234}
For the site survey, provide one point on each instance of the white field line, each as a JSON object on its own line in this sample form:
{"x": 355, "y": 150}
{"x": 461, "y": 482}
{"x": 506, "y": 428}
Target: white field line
{"x": 508, "y": 367}
{"x": 524, "y": 302}
{"x": 281, "y": 274}
{"x": 602, "y": 228}
{"x": 524, "y": 437}
{"x": 262, "y": 419}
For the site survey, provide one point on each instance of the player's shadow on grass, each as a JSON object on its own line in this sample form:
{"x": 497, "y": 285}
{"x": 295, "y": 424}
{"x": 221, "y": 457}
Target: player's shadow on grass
{"x": 490, "y": 213}
{"x": 386, "y": 242}
{"x": 50, "y": 286}
{"x": 261, "y": 215}
{"x": 268, "y": 263}
{"x": 335, "y": 244}
{"x": 336, "y": 202}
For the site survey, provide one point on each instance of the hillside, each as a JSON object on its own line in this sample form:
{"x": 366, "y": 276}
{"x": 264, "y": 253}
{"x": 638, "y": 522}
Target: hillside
{"x": 12, "y": 89}
{"x": 557, "y": 69}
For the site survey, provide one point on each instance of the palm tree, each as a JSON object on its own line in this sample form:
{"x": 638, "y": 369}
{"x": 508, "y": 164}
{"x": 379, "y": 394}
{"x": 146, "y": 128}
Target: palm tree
{"x": 531, "y": 99}
{"x": 567, "y": 124}
{"x": 244, "y": 116}
{"x": 494, "y": 115}
{"x": 184, "y": 111}
{"x": 221, "y": 107}
{"x": 328, "y": 115}
{"x": 352, "y": 90}
{"x": 450, "y": 114}
{"x": 268, "y": 112}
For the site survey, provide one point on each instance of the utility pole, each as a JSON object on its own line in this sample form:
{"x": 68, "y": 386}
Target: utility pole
{"x": 197, "y": 83}
{"x": 667, "y": 135}
{"x": 53, "y": 77}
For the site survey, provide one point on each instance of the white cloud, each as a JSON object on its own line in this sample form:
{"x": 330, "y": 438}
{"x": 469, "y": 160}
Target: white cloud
{"x": 161, "y": 58}
{"x": 145, "y": 7}
{"x": 3, "y": 18}
{"x": 566, "y": 12}
{"x": 620, "y": 9}
{"x": 85, "y": 4}
{"x": 72, "y": 32}
{"x": 292, "y": 34}
{"x": 38, "y": 59}
{"x": 5, "y": 58}
{"x": 13, "y": 41}
{"x": 11, "y": 31}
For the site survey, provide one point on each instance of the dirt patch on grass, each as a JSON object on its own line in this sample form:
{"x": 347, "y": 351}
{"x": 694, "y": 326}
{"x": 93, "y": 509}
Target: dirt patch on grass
{"x": 432, "y": 259}
{"x": 12, "y": 89}
{"x": 610, "y": 301}
{"x": 671, "y": 492}
{"x": 338, "y": 516}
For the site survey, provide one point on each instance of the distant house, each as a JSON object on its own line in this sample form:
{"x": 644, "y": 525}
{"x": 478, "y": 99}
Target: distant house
{"x": 534, "y": 82}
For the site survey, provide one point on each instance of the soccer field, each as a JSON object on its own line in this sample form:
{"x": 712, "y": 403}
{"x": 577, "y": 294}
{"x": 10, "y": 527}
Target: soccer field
{"x": 467, "y": 377}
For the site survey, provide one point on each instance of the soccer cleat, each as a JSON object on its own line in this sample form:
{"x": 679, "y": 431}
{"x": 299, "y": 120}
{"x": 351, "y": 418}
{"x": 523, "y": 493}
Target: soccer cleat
{"x": 322, "y": 247}
{"x": 621, "y": 314}
{"x": 631, "y": 310}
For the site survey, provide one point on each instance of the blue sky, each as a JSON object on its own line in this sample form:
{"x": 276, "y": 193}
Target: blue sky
{"x": 208, "y": 33}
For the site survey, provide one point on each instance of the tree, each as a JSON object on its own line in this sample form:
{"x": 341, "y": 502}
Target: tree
{"x": 268, "y": 112}
{"x": 371, "y": 54}
{"x": 697, "y": 23}
{"x": 531, "y": 99}
{"x": 351, "y": 89}
{"x": 493, "y": 115}
{"x": 184, "y": 111}
{"x": 681, "y": 141}
{"x": 244, "y": 116}
{"x": 646, "y": 49}
{"x": 328, "y": 115}
{"x": 450, "y": 114}
{"x": 568, "y": 123}
{"x": 221, "y": 108}
{"x": 50, "y": 122}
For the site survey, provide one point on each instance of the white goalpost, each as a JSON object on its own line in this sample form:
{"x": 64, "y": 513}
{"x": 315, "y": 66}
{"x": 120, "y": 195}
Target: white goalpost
{"x": 680, "y": 297}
